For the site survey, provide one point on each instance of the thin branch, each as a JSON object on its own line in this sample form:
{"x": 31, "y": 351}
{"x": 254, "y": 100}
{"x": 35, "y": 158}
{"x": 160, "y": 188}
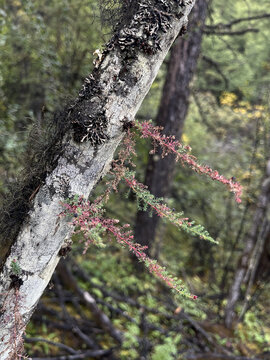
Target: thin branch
{"x": 200, "y": 356}
{"x": 254, "y": 262}
{"x": 200, "y": 330}
{"x": 57, "y": 344}
{"x": 84, "y": 355}
{"x": 236, "y": 21}
{"x": 202, "y": 114}
{"x": 240, "y": 231}
{"x": 101, "y": 318}
{"x": 88, "y": 341}
{"x": 230, "y": 33}
{"x": 217, "y": 67}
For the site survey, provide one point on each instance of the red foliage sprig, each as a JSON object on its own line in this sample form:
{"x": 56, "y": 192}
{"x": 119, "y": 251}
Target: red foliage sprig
{"x": 120, "y": 172}
{"x": 88, "y": 219}
{"x": 169, "y": 145}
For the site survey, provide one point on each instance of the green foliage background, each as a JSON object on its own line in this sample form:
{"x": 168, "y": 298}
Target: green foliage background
{"x": 46, "y": 50}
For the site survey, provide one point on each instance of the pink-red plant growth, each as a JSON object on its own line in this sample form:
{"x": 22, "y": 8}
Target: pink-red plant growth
{"x": 171, "y": 146}
{"x": 88, "y": 219}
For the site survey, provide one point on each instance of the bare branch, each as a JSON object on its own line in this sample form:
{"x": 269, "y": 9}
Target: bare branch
{"x": 84, "y": 355}
{"x": 230, "y": 33}
{"x": 217, "y": 67}
{"x": 100, "y": 317}
{"x": 236, "y": 21}
{"x": 57, "y": 344}
{"x": 216, "y": 356}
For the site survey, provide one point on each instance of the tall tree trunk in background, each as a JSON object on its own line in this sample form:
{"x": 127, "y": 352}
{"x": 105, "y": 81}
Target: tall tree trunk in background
{"x": 255, "y": 242}
{"x": 113, "y": 93}
{"x": 171, "y": 116}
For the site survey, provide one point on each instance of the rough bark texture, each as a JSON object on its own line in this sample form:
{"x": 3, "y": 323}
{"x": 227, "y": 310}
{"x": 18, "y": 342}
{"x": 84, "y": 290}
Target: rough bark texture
{"x": 78, "y": 170}
{"x": 171, "y": 116}
{"x": 250, "y": 257}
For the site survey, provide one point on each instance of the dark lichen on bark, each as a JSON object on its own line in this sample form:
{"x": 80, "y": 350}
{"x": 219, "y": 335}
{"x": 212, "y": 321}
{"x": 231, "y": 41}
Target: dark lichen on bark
{"x": 143, "y": 24}
{"x": 65, "y": 250}
{"x": 16, "y": 282}
{"x": 91, "y": 126}
{"x": 140, "y": 24}
{"x": 137, "y": 29}
{"x": 87, "y": 114}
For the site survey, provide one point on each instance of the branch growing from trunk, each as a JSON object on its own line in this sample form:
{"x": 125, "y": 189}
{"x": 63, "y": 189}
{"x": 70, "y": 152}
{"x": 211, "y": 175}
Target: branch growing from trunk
{"x": 111, "y": 94}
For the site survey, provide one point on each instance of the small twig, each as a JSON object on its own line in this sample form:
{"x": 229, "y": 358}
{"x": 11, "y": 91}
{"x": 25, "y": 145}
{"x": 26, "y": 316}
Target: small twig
{"x": 237, "y": 21}
{"x": 230, "y": 33}
{"x": 101, "y": 318}
{"x": 57, "y": 344}
{"x": 85, "y": 355}
{"x": 34, "y": 193}
{"x": 217, "y": 67}
{"x": 201, "y": 356}
{"x": 88, "y": 341}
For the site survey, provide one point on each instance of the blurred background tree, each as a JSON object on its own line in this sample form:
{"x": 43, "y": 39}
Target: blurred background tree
{"x": 46, "y": 50}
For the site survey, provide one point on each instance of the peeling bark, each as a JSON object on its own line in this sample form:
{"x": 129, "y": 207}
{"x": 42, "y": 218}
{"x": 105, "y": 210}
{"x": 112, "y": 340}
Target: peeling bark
{"x": 79, "y": 168}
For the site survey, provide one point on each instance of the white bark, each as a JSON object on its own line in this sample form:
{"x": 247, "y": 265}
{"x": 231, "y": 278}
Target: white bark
{"x": 80, "y": 167}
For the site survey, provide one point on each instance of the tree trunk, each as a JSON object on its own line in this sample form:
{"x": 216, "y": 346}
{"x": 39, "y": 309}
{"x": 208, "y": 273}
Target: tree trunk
{"x": 120, "y": 83}
{"x": 250, "y": 257}
{"x": 171, "y": 116}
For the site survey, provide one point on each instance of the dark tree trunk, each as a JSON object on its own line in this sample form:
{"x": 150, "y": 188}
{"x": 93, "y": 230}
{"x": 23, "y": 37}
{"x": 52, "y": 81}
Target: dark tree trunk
{"x": 171, "y": 116}
{"x": 255, "y": 242}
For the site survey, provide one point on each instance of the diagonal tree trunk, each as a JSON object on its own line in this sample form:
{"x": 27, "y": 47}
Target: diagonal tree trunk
{"x": 113, "y": 93}
{"x": 252, "y": 252}
{"x": 171, "y": 116}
